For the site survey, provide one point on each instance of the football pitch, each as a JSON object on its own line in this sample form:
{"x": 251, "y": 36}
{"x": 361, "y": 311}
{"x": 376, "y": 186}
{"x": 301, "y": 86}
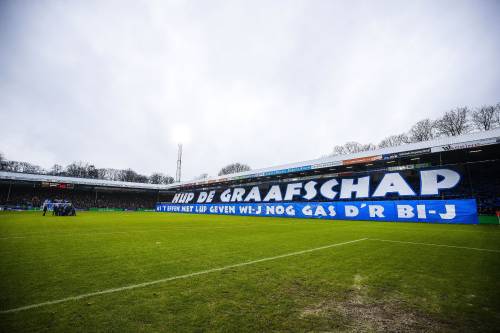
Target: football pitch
{"x": 143, "y": 272}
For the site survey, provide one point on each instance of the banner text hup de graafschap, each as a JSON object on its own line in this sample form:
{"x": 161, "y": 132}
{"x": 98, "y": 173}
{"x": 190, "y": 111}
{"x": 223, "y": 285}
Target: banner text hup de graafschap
{"x": 432, "y": 211}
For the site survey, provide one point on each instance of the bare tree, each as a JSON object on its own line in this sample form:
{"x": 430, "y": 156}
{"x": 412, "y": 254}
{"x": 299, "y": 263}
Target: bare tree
{"x": 234, "y": 168}
{"x": 85, "y": 170}
{"x": 485, "y": 117}
{"x": 56, "y": 170}
{"x": 12, "y": 166}
{"x": 352, "y": 147}
{"x": 101, "y": 173}
{"x": 424, "y": 130}
{"x": 454, "y": 122}
{"x": 496, "y": 117}
{"x": 92, "y": 172}
{"x": 76, "y": 169}
{"x": 168, "y": 180}
{"x": 109, "y": 174}
{"x": 159, "y": 178}
{"x": 156, "y": 178}
{"x": 129, "y": 175}
{"x": 25, "y": 167}
{"x": 394, "y": 140}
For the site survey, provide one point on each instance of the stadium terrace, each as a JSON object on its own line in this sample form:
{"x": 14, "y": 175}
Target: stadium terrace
{"x": 450, "y": 168}
{"x": 432, "y": 182}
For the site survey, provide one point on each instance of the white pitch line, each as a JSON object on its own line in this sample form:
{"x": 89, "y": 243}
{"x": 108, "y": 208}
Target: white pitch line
{"x": 431, "y": 244}
{"x": 145, "y": 284}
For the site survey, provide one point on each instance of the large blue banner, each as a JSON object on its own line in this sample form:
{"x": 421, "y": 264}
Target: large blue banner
{"x": 430, "y": 211}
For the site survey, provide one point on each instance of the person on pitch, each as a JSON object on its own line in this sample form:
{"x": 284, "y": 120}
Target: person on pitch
{"x": 45, "y": 207}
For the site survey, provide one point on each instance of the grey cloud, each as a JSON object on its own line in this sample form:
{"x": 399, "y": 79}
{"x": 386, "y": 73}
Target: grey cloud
{"x": 259, "y": 82}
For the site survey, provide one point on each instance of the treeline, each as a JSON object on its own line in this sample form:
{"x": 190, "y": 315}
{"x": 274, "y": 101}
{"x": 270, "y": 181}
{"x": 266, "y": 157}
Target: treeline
{"x": 85, "y": 170}
{"x": 458, "y": 121}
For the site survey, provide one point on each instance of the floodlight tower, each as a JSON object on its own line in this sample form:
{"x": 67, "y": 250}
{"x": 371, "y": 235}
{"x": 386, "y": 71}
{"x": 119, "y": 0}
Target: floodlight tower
{"x": 179, "y": 163}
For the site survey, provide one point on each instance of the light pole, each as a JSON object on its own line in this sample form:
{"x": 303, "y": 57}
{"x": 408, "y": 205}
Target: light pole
{"x": 179, "y": 163}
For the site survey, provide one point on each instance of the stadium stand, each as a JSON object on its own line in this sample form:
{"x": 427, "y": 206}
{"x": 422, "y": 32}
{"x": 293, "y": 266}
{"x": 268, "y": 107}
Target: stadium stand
{"x": 475, "y": 155}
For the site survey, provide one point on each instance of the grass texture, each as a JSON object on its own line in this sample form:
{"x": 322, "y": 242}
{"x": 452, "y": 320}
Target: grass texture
{"x": 434, "y": 278}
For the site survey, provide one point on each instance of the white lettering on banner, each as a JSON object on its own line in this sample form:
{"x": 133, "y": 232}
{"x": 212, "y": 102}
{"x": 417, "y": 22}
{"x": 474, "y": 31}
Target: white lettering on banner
{"x": 223, "y": 209}
{"x": 200, "y": 209}
{"x": 431, "y": 185}
{"x": 202, "y": 197}
{"x": 441, "y": 211}
{"x": 186, "y": 197}
{"x": 361, "y": 188}
{"x": 174, "y": 209}
{"x": 189, "y": 197}
{"x": 421, "y": 213}
{"x": 280, "y": 210}
{"x": 432, "y": 182}
{"x": 307, "y": 210}
{"x": 450, "y": 212}
{"x": 310, "y": 188}
{"x": 176, "y": 197}
{"x": 405, "y": 211}
{"x": 238, "y": 194}
{"x": 274, "y": 194}
{"x": 376, "y": 211}
{"x": 351, "y": 211}
{"x": 211, "y": 195}
{"x": 393, "y": 183}
{"x": 292, "y": 190}
{"x": 320, "y": 211}
{"x": 226, "y": 195}
{"x": 254, "y": 194}
{"x": 326, "y": 189}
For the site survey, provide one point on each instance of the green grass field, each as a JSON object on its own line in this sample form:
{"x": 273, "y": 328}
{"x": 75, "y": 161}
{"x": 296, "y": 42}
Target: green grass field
{"x": 451, "y": 283}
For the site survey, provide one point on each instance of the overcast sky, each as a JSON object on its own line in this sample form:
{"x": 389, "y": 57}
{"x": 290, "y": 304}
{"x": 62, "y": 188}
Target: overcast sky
{"x": 117, "y": 83}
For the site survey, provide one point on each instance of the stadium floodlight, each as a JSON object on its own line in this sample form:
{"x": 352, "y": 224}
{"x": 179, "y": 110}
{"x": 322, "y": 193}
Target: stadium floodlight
{"x": 179, "y": 164}
{"x": 181, "y": 134}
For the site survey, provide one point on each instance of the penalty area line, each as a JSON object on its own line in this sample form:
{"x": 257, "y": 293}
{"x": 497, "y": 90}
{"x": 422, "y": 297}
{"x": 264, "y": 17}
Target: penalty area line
{"x": 178, "y": 277}
{"x": 439, "y": 245}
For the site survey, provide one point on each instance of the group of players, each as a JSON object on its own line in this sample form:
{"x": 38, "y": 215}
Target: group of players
{"x": 61, "y": 208}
